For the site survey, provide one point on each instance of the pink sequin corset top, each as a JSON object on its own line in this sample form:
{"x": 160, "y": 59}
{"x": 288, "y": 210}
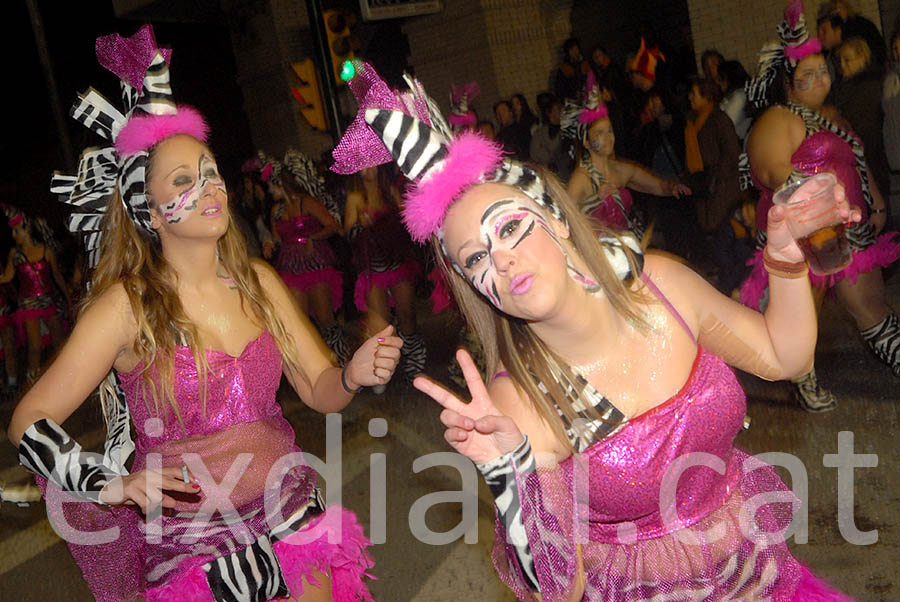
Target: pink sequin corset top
{"x": 630, "y": 470}
{"x": 295, "y": 256}
{"x": 819, "y": 152}
{"x": 238, "y": 390}
{"x": 611, "y": 213}
{"x": 34, "y": 277}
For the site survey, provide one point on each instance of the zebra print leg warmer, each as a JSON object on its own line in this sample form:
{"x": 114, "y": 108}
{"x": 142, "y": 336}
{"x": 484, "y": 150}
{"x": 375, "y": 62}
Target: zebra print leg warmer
{"x": 335, "y": 339}
{"x": 884, "y": 339}
{"x": 47, "y": 450}
{"x": 500, "y": 476}
{"x": 414, "y": 353}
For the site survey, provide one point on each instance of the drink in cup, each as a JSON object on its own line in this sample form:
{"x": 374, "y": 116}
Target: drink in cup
{"x": 812, "y": 217}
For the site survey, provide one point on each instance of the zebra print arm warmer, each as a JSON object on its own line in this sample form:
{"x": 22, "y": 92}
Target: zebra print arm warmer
{"x": 47, "y": 450}
{"x": 500, "y": 476}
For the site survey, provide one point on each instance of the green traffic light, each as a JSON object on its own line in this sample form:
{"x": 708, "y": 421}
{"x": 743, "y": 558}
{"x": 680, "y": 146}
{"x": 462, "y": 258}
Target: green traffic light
{"x": 347, "y": 71}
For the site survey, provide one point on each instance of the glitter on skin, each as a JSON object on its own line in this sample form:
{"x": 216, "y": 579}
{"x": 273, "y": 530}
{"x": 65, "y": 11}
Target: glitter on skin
{"x": 186, "y": 202}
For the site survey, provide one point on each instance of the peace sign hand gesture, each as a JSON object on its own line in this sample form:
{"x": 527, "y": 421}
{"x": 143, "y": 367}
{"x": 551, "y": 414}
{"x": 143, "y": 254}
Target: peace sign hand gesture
{"x": 476, "y": 429}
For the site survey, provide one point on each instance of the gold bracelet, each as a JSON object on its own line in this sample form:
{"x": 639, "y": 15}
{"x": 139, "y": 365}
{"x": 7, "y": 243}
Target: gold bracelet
{"x": 784, "y": 269}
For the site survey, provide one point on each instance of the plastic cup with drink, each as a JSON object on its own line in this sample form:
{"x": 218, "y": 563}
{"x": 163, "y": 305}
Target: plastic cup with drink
{"x": 812, "y": 216}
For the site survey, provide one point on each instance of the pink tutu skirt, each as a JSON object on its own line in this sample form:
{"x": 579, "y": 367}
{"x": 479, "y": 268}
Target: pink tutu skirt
{"x": 367, "y": 280}
{"x": 305, "y": 281}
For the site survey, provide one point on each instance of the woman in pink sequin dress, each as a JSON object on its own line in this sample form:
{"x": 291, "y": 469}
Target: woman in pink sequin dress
{"x": 798, "y": 136}
{"x": 189, "y": 339}
{"x": 34, "y": 266}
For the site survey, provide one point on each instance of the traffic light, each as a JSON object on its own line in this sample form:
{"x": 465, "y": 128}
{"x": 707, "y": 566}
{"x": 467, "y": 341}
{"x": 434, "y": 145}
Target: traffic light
{"x": 308, "y": 95}
{"x": 341, "y": 44}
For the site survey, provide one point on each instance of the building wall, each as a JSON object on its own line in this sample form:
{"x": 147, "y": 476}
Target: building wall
{"x": 268, "y": 37}
{"x": 738, "y": 29}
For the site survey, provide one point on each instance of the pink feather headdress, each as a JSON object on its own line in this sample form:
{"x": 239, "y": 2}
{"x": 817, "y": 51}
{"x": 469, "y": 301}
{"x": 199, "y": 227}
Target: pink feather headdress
{"x": 408, "y": 128}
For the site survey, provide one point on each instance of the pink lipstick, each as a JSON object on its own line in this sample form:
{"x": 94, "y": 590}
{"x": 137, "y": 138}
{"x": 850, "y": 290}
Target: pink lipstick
{"x": 521, "y": 284}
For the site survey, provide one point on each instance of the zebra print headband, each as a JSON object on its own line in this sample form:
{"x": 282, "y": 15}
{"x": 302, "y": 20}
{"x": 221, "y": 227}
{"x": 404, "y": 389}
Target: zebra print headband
{"x": 150, "y": 116}
{"x": 794, "y": 45}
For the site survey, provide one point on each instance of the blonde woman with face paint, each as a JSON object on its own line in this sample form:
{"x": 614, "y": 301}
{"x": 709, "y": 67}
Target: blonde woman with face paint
{"x": 190, "y": 340}
{"x": 609, "y": 377}
{"x": 796, "y": 136}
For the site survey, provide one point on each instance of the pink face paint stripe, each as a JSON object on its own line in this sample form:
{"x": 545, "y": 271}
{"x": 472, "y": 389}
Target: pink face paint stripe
{"x": 507, "y": 218}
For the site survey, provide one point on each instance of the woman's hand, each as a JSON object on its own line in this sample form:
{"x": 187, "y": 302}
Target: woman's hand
{"x": 779, "y": 242}
{"x": 146, "y": 488}
{"x": 375, "y": 361}
{"x": 677, "y": 189}
{"x": 476, "y": 429}
{"x": 268, "y": 248}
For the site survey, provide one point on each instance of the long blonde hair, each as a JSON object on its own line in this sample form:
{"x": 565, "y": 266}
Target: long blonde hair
{"x": 511, "y": 342}
{"x": 133, "y": 257}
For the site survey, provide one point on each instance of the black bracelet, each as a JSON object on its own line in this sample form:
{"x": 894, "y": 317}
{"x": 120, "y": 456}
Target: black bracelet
{"x": 344, "y": 384}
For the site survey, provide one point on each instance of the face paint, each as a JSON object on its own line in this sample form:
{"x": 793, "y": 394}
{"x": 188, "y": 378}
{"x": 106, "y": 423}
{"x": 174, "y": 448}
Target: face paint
{"x": 505, "y": 225}
{"x": 186, "y": 202}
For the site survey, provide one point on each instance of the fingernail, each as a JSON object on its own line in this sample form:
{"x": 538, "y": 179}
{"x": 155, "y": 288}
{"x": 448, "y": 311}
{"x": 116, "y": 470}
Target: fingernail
{"x": 381, "y": 339}
{"x": 195, "y": 485}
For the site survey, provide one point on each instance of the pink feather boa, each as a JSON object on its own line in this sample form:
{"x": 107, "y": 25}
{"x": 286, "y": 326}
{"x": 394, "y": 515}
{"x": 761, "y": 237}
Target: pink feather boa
{"x": 801, "y": 51}
{"x": 812, "y": 589}
{"x": 883, "y": 253}
{"x": 347, "y": 563}
{"x": 142, "y": 132}
{"x": 589, "y": 116}
{"x": 471, "y": 156}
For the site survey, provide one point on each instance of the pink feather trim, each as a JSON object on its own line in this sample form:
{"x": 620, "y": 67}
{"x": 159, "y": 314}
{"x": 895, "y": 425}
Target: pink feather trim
{"x": 266, "y": 172}
{"x": 589, "y": 116}
{"x": 143, "y": 132}
{"x": 801, "y": 51}
{"x": 462, "y": 119}
{"x": 346, "y": 562}
{"x": 883, "y": 253}
{"x": 16, "y": 220}
{"x": 812, "y": 589}
{"x": 471, "y": 156}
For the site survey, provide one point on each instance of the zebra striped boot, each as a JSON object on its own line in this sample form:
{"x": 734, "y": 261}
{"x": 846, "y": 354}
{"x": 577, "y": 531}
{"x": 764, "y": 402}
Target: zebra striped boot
{"x": 413, "y": 353}
{"x": 811, "y": 396}
{"x": 884, "y": 339}
{"x": 334, "y": 338}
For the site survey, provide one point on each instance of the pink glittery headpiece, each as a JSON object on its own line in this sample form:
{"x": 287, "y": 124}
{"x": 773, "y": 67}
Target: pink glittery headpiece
{"x": 594, "y": 109}
{"x": 407, "y": 127}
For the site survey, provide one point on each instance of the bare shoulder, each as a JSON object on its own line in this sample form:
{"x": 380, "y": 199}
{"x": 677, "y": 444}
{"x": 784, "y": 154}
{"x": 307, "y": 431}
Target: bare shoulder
{"x": 110, "y": 317}
{"x": 775, "y": 121}
{"x": 268, "y": 277}
{"x": 684, "y": 288}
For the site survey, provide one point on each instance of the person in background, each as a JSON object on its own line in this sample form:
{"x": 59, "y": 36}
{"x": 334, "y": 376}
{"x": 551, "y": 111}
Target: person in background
{"x": 858, "y": 99}
{"x": 838, "y": 21}
{"x": 548, "y": 147}
{"x": 733, "y": 76}
{"x": 733, "y": 246}
{"x": 569, "y": 80}
{"x": 796, "y": 136}
{"x": 33, "y": 263}
{"x": 525, "y": 119}
{"x": 710, "y": 61}
{"x": 514, "y": 138}
{"x": 712, "y": 149}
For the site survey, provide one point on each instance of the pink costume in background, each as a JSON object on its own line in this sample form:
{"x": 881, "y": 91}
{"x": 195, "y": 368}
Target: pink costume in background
{"x": 639, "y": 548}
{"x": 241, "y": 415}
{"x": 382, "y": 253}
{"x": 303, "y": 268}
{"x": 615, "y": 210}
{"x": 36, "y": 291}
{"x": 823, "y": 151}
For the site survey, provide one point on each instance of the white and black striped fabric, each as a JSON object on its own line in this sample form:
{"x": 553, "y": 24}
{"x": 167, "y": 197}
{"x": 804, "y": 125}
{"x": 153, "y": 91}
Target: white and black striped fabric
{"x": 414, "y": 353}
{"x": 307, "y": 174}
{"x": 884, "y": 339}
{"x": 416, "y": 148}
{"x": 500, "y": 476}
{"x": 47, "y": 450}
{"x": 772, "y": 56}
{"x": 119, "y": 445}
{"x": 252, "y": 574}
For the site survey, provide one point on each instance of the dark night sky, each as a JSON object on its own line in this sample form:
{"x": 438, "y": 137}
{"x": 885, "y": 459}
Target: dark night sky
{"x": 203, "y": 75}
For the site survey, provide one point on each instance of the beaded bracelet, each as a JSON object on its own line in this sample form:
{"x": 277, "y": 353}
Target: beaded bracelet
{"x": 784, "y": 269}
{"x": 344, "y": 383}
